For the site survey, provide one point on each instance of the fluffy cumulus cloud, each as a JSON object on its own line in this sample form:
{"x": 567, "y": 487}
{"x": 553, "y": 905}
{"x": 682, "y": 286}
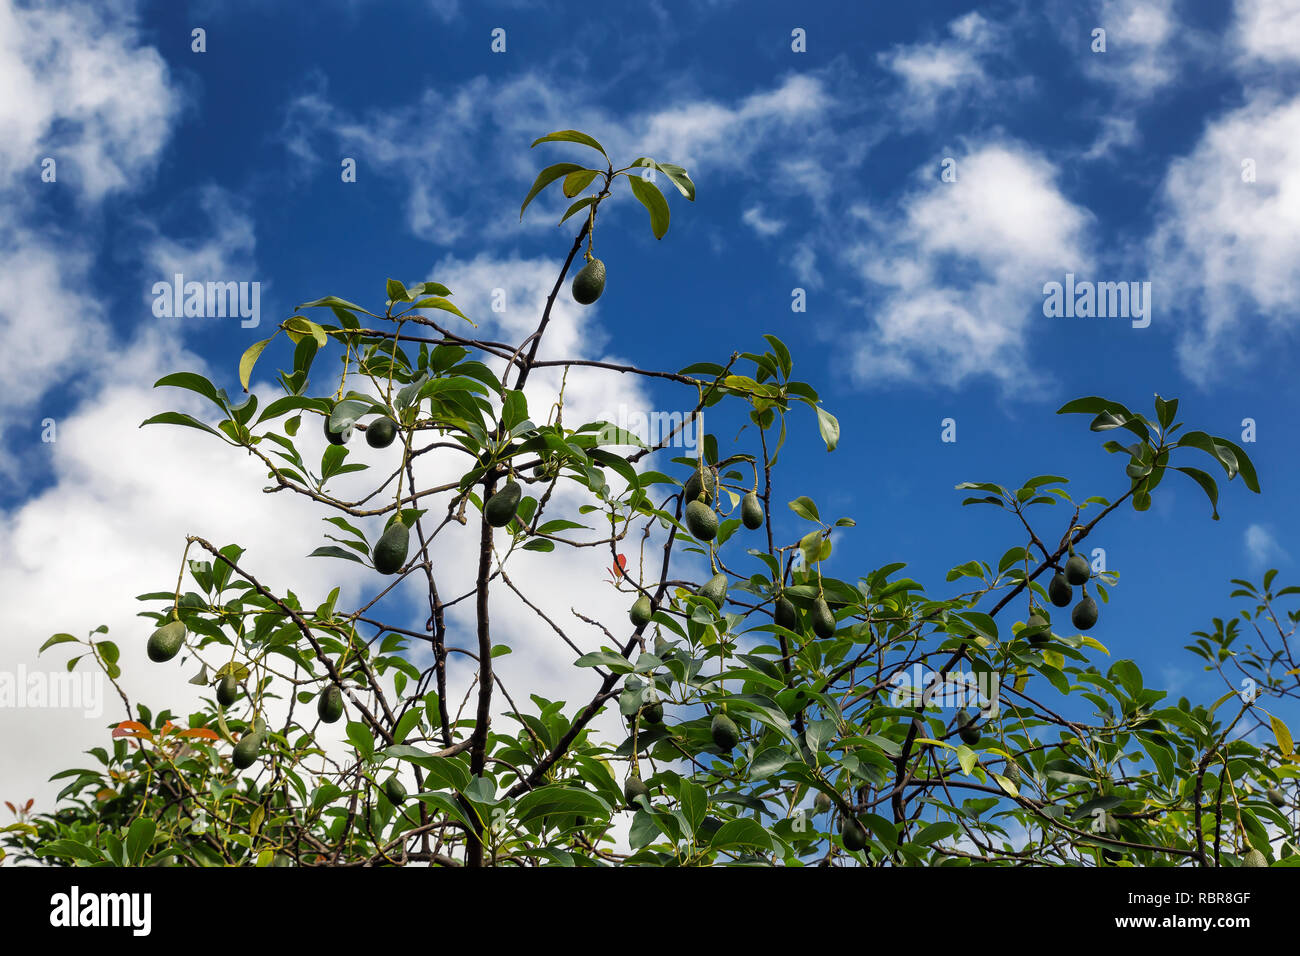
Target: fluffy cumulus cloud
{"x": 948, "y": 71}
{"x": 1224, "y": 248}
{"x": 494, "y": 117}
{"x": 1143, "y": 55}
{"x": 80, "y": 89}
{"x": 1262, "y": 548}
{"x": 1267, "y": 33}
{"x": 957, "y": 269}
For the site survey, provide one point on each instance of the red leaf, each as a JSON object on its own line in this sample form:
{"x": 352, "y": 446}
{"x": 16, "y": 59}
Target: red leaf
{"x": 202, "y": 732}
{"x": 12, "y": 808}
{"x": 133, "y": 728}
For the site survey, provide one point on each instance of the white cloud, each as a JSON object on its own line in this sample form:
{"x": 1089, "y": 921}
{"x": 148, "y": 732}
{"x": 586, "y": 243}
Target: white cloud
{"x": 960, "y": 268}
{"x": 498, "y": 117}
{"x": 1267, "y": 32}
{"x": 80, "y": 87}
{"x": 1262, "y": 548}
{"x": 1142, "y": 54}
{"x": 947, "y": 72}
{"x": 755, "y": 219}
{"x": 1225, "y": 250}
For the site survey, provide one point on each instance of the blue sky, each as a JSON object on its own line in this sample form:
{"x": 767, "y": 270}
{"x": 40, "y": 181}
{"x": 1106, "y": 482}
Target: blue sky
{"x": 817, "y": 170}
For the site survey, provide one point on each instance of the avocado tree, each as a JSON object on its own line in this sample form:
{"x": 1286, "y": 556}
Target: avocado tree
{"x": 763, "y": 719}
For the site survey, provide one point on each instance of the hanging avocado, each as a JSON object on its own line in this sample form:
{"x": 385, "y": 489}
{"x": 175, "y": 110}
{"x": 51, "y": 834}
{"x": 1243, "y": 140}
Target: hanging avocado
{"x": 394, "y": 791}
{"x": 1037, "y": 620}
{"x": 823, "y": 621}
{"x": 966, "y": 729}
{"x": 853, "y": 834}
{"x": 227, "y": 690}
{"x": 246, "y": 750}
{"x": 641, "y": 611}
{"x": 701, "y": 521}
{"x": 695, "y": 485}
{"x": 390, "y": 550}
{"x": 1077, "y": 570}
{"x": 653, "y": 712}
{"x": 502, "y": 505}
{"x": 1084, "y": 614}
{"x": 339, "y": 437}
{"x": 715, "y": 589}
{"x": 166, "y": 642}
{"x": 785, "y": 615}
{"x": 1059, "y": 591}
{"x": 724, "y": 731}
{"x": 381, "y": 432}
{"x": 329, "y": 705}
{"x": 589, "y": 283}
{"x": 751, "y": 511}
{"x": 634, "y": 787}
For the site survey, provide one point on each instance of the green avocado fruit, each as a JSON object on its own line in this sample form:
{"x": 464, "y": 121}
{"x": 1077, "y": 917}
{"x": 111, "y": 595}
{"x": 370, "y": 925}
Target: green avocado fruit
{"x": 390, "y": 549}
{"x": 1254, "y": 858}
{"x": 394, "y": 791}
{"x": 701, "y": 521}
{"x": 785, "y": 615}
{"x": 634, "y": 787}
{"x": 1012, "y": 772}
{"x": 1059, "y": 591}
{"x": 337, "y": 438}
{"x": 821, "y": 803}
{"x": 589, "y": 283}
{"x": 502, "y": 505}
{"x": 1276, "y": 797}
{"x": 329, "y": 705}
{"x": 853, "y": 834}
{"x": 166, "y": 642}
{"x": 724, "y": 731}
{"x": 751, "y": 511}
{"x": 966, "y": 729}
{"x": 1037, "y": 620}
{"x": 1084, "y": 614}
{"x": 641, "y": 611}
{"x": 695, "y": 486}
{"x": 715, "y": 589}
{"x": 246, "y": 750}
{"x": 653, "y": 712}
{"x": 227, "y": 690}
{"x": 381, "y": 432}
{"x": 1077, "y": 570}
{"x": 823, "y": 621}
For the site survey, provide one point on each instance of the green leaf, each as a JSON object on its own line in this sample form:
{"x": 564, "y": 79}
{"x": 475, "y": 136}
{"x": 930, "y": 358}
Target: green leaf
{"x": 804, "y": 507}
{"x": 139, "y": 838}
{"x": 397, "y": 291}
{"x": 570, "y": 136}
{"x": 1283, "y": 735}
{"x": 334, "y": 551}
{"x": 1207, "y": 485}
{"x": 829, "y": 426}
{"x": 179, "y": 418}
{"x": 333, "y": 302}
{"x": 582, "y": 203}
{"x": 547, "y": 176}
{"x": 195, "y": 383}
{"x": 576, "y": 182}
{"x": 57, "y": 639}
{"x": 653, "y": 200}
{"x": 742, "y": 832}
{"x": 547, "y": 800}
{"x": 437, "y": 302}
{"x": 248, "y": 360}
